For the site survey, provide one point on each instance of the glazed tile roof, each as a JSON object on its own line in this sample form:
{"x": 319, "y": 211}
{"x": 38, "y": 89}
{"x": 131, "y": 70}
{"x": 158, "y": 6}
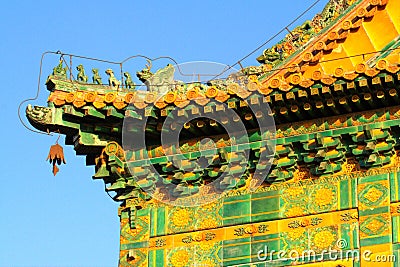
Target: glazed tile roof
{"x": 332, "y": 62}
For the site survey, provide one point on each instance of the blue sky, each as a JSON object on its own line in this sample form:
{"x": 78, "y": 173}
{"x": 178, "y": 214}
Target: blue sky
{"x": 69, "y": 220}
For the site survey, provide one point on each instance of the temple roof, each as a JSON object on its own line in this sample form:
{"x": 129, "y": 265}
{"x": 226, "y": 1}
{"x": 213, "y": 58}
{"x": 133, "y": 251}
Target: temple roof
{"x": 336, "y": 97}
{"x": 344, "y": 57}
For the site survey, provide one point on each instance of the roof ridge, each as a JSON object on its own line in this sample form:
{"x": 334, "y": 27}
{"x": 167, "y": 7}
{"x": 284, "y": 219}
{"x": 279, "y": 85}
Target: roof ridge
{"x": 339, "y": 30}
{"x": 301, "y": 36}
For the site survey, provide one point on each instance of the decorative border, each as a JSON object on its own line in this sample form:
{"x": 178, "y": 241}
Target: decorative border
{"x": 252, "y": 230}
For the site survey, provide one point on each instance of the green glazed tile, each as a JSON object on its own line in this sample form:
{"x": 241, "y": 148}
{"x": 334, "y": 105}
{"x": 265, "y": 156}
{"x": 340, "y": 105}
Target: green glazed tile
{"x": 373, "y": 178}
{"x": 236, "y": 213}
{"x": 348, "y": 196}
{"x": 366, "y": 242}
{"x": 236, "y": 251}
{"x": 236, "y": 254}
{"x": 265, "y": 194}
{"x": 143, "y": 212}
{"x": 374, "y": 210}
{"x": 264, "y": 205}
{"x": 394, "y": 185}
{"x": 265, "y": 217}
{"x": 161, "y": 220}
{"x": 153, "y": 226}
{"x": 396, "y": 229}
{"x": 133, "y": 245}
{"x": 266, "y": 244}
{"x": 227, "y": 200}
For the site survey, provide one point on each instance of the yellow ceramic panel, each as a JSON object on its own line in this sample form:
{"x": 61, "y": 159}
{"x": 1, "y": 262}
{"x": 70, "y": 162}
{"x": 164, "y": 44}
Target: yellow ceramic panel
{"x": 377, "y": 255}
{"x": 393, "y": 8}
{"x": 329, "y": 61}
{"x": 358, "y": 43}
{"x": 393, "y": 58}
{"x": 310, "y": 70}
{"x": 381, "y": 30}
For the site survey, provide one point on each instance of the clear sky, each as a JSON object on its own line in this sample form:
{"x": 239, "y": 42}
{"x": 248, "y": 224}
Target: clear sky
{"x": 69, "y": 220}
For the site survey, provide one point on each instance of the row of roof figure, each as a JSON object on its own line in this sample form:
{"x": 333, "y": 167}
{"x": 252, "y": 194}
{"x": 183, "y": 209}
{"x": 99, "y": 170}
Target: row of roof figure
{"x": 112, "y": 80}
{"x": 162, "y": 81}
{"x": 59, "y": 70}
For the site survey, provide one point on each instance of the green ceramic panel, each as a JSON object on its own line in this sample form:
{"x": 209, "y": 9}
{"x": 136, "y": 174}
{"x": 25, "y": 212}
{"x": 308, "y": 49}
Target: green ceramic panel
{"x": 160, "y": 221}
{"x": 230, "y": 199}
{"x": 348, "y": 233}
{"x": 236, "y": 251}
{"x": 373, "y": 211}
{"x": 143, "y": 212}
{"x": 157, "y": 258}
{"x": 366, "y": 242}
{"x": 237, "y": 210}
{"x": 348, "y": 196}
{"x": 264, "y": 209}
{"x": 152, "y": 258}
{"x": 266, "y": 244}
{"x": 396, "y": 253}
{"x": 372, "y": 178}
{"x": 356, "y": 236}
{"x": 270, "y": 193}
{"x": 153, "y": 222}
{"x": 396, "y": 229}
{"x": 142, "y": 244}
{"x": 265, "y": 217}
{"x": 394, "y": 187}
